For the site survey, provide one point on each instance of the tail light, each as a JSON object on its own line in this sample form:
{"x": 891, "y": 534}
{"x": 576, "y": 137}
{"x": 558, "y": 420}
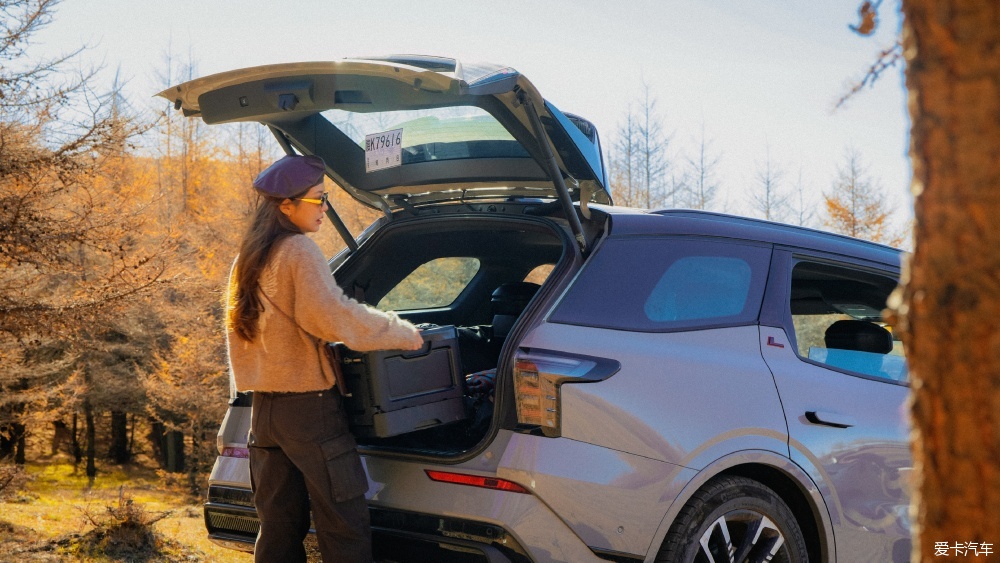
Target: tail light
{"x": 243, "y": 453}
{"x": 538, "y": 378}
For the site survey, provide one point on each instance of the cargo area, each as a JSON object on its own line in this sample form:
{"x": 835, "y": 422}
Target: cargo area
{"x": 466, "y": 282}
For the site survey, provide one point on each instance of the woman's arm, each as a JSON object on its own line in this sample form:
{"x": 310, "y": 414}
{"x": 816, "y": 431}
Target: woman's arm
{"x": 321, "y": 308}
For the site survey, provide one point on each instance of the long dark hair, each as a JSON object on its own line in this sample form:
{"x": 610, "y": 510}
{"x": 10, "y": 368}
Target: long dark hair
{"x": 268, "y": 227}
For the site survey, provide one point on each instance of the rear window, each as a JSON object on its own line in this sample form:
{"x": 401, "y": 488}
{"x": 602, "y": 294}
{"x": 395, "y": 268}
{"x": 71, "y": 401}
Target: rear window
{"x": 664, "y": 284}
{"x": 433, "y": 284}
{"x": 434, "y": 134}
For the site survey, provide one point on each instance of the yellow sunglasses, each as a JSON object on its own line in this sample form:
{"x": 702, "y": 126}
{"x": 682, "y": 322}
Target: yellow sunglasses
{"x": 325, "y": 198}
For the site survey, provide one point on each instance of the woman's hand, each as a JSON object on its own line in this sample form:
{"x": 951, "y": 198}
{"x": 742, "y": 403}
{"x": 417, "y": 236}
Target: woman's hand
{"x": 416, "y": 343}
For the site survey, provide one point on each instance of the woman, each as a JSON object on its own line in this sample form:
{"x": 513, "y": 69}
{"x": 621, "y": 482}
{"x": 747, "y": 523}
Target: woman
{"x": 283, "y": 307}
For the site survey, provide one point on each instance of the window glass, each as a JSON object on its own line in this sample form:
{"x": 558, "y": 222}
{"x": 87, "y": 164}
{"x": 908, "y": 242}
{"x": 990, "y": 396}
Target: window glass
{"x": 539, "y": 274}
{"x": 668, "y": 283}
{"x": 837, "y": 318}
{"x": 434, "y": 134}
{"x": 433, "y": 284}
{"x": 700, "y": 287}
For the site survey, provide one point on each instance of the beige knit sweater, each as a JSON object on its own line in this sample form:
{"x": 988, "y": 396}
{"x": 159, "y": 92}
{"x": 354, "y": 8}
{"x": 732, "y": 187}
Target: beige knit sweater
{"x": 289, "y": 358}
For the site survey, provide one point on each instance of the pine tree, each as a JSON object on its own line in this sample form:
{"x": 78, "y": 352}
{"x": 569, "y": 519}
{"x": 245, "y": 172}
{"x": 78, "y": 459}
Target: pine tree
{"x": 856, "y": 204}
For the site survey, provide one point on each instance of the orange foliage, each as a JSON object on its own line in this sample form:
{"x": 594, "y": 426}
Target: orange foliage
{"x": 858, "y": 207}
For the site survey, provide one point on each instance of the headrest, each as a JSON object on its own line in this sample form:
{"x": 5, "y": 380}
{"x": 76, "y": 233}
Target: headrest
{"x": 861, "y": 336}
{"x": 512, "y": 298}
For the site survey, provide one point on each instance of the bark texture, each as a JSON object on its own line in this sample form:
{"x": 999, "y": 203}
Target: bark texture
{"x": 951, "y": 302}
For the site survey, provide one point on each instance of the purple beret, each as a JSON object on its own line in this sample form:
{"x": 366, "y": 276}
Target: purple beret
{"x": 290, "y": 176}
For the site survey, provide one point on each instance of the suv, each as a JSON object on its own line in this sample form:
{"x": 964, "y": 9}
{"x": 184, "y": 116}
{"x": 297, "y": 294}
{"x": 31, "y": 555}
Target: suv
{"x": 669, "y": 385}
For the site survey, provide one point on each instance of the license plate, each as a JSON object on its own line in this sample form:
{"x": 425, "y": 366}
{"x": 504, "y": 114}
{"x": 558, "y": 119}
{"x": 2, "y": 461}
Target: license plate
{"x": 383, "y": 150}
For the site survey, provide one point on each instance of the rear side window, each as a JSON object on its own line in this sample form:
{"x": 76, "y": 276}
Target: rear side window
{"x": 837, "y": 318}
{"x": 433, "y": 284}
{"x": 671, "y": 283}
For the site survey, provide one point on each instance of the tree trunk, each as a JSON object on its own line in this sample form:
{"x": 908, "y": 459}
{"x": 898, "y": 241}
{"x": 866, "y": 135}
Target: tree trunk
{"x": 156, "y": 440}
{"x": 194, "y": 462}
{"x": 12, "y": 442}
{"x": 174, "y": 450}
{"x": 19, "y": 436}
{"x": 131, "y": 437}
{"x": 6, "y": 442}
{"x": 118, "y": 451}
{"x": 951, "y": 301}
{"x": 88, "y": 417}
{"x": 77, "y": 452}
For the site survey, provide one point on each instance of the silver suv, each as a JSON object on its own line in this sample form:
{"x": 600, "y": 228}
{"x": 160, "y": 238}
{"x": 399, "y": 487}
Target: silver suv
{"x": 666, "y": 385}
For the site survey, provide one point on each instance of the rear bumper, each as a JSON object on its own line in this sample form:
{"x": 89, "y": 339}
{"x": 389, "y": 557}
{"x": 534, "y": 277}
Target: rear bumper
{"x": 396, "y": 535}
{"x": 231, "y": 526}
{"x": 398, "y": 545}
{"x": 520, "y": 526}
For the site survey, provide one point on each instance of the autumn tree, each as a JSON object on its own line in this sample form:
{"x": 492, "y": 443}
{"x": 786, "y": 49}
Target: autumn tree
{"x": 856, "y": 204}
{"x": 70, "y": 252}
{"x": 200, "y": 212}
{"x": 951, "y": 297}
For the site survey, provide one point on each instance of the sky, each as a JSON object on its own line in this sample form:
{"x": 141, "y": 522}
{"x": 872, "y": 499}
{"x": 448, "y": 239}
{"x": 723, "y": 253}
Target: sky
{"x": 760, "y": 76}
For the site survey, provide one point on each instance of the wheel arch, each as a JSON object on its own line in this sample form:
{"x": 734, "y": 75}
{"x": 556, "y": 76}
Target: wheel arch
{"x": 782, "y": 476}
{"x": 806, "y": 513}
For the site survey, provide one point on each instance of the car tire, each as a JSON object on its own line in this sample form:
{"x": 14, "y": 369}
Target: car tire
{"x": 734, "y": 519}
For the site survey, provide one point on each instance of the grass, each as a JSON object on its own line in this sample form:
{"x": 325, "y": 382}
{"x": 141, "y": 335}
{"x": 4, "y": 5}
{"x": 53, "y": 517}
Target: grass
{"x": 59, "y": 515}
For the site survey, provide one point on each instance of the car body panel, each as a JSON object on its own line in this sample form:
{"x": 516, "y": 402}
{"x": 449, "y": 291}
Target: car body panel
{"x": 231, "y": 472}
{"x": 235, "y": 427}
{"x": 864, "y": 471}
{"x": 403, "y": 485}
{"x": 622, "y": 445}
{"x": 623, "y": 413}
{"x": 233, "y": 469}
{"x": 611, "y": 499}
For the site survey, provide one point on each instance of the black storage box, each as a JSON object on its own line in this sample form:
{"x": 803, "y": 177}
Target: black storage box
{"x": 395, "y": 392}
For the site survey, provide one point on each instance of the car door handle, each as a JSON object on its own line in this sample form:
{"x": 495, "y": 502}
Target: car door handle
{"x": 830, "y": 419}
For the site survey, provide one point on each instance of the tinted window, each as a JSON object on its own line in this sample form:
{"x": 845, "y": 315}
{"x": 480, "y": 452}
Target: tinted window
{"x": 433, "y": 284}
{"x": 656, "y": 284}
{"x": 434, "y": 134}
{"x": 837, "y": 318}
{"x": 700, "y": 287}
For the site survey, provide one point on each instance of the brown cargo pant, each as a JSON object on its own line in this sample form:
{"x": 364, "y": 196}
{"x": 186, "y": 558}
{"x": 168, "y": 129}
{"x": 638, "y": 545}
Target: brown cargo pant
{"x": 302, "y": 455}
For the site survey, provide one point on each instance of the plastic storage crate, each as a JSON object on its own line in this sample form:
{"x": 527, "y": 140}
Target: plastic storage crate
{"x": 395, "y": 392}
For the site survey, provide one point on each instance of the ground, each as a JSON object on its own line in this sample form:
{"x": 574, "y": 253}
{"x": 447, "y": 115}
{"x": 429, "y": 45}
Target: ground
{"x": 53, "y": 517}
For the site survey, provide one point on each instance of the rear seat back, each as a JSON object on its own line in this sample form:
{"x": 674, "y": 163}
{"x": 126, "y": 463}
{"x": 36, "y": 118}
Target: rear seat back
{"x": 508, "y": 302}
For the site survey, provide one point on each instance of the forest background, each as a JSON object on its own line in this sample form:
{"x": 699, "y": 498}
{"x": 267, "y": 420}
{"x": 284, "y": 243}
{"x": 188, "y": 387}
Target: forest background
{"x": 118, "y": 226}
